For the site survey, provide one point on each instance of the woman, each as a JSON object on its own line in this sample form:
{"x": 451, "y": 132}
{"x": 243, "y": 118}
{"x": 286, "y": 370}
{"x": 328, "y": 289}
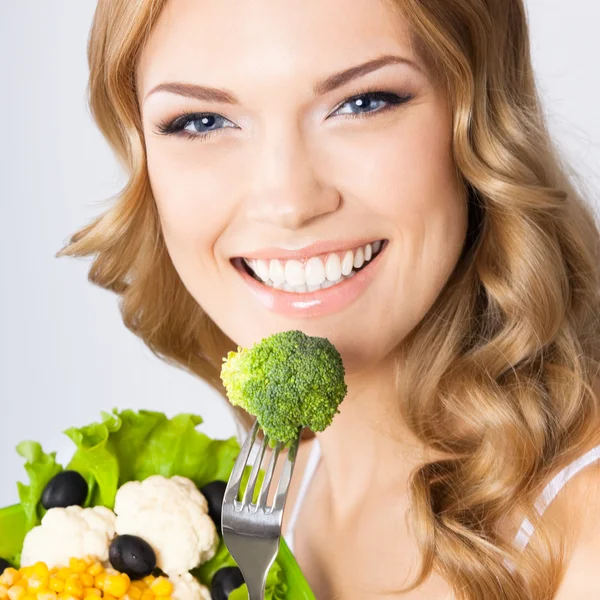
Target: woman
{"x": 380, "y": 174}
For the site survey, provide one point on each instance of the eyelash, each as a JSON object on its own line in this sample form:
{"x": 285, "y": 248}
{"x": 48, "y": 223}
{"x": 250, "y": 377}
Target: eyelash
{"x": 177, "y": 125}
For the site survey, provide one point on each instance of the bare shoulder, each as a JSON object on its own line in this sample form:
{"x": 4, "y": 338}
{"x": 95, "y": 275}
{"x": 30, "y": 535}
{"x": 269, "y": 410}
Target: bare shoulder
{"x": 577, "y": 511}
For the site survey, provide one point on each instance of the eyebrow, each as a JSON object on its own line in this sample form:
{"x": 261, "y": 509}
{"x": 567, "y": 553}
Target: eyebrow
{"x": 332, "y": 82}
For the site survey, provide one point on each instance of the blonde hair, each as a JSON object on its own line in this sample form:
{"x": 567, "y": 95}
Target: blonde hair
{"x": 498, "y": 374}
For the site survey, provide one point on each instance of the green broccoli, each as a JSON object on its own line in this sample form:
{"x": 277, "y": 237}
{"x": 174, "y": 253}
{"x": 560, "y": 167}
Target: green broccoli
{"x": 288, "y": 380}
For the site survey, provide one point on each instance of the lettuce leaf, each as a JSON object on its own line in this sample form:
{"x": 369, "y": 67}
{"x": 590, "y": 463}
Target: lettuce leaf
{"x": 132, "y": 445}
{"x": 41, "y": 468}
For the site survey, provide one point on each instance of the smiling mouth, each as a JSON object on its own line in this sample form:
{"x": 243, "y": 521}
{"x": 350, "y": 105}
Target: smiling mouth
{"x": 314, "y": 273}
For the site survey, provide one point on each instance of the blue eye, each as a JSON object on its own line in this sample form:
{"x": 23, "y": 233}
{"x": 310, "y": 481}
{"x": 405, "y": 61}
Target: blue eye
{"x": 369, "y": 102}
{"x": 195, "y": 124}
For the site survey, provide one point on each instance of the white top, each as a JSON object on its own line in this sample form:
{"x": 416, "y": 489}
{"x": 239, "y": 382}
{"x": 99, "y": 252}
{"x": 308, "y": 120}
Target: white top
{"x": 525, "y": 531}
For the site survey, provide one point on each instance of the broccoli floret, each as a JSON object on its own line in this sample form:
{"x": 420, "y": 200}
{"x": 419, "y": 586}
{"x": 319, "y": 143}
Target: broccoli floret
{"x": 287, "y": 380}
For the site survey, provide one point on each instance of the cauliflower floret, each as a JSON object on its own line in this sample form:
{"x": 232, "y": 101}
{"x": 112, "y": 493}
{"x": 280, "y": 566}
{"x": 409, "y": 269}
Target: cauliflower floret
{"x": 68, "y": 532}
{"x": 187, "y": 587}
{"x": 171, "y": 514}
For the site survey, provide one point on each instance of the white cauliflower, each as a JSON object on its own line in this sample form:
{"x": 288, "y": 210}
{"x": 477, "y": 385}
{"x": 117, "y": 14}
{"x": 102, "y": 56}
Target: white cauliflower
{"x": 68, "y": 532}
{"x": 187, "y": 587}
{"x": 171, "y": 514}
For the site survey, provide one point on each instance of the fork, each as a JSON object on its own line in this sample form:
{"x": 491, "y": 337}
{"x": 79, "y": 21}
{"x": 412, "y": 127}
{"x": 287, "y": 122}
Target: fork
{"x": 251, "y": 531}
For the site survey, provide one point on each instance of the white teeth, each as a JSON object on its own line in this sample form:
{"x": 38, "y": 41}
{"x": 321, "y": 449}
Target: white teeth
{"x": 359, "y": 258}
{"x": 276, "y": 272}
{"x": 294, "y": 273}
{"x": 312, "y": 275}
{"x": 347, "y": 263}
{"x": 314, "y": 272}
{"x": 261, "y": 268}
{"x": 333, "y": 267}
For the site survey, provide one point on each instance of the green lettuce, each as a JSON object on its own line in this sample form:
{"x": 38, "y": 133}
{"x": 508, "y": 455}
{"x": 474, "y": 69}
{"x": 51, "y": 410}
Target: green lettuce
{"x": 40, "y": 468}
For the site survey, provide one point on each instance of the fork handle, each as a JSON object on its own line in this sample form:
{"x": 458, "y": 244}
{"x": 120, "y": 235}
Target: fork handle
{"x": 256, "y": 585}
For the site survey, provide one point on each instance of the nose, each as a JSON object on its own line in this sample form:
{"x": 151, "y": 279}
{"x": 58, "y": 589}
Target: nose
{"x": 286, "y": 190}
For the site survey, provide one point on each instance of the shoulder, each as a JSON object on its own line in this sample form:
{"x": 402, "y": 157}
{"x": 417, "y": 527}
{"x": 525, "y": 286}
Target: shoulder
{"x": 577, "y": 513}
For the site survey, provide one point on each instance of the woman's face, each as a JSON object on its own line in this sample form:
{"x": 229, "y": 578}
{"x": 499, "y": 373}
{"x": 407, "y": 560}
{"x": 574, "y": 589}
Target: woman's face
{"x": 304, "y": 137}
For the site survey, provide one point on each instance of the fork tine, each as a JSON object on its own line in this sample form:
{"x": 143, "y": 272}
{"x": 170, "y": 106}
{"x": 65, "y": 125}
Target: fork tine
{"x": 286, "y": 476}
{"x": 235, "y": 479}
{"x": 249, "y": 492}
{"x": 266, "y": 484}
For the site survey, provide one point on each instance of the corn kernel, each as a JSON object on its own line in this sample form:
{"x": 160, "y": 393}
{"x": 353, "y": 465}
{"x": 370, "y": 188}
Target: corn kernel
{"x": 4, "y": 592}
{"x": 148, "y": 580}
{"x": 139, "y": 584}
{"x": 147, "y": 595}
{"x": 95, "y": 569}
{"x": 77, "y": 565}
{"x": 41, "y": 569}
{"x": 29, "y": 597}
{"x": 162, "y": 597}
{"x": 92, "y": 591}
{"x": 87, "y": 580}
{"x": 161, "y": 586}
{"x": 116, "y": 585}
{"x": 46, "y": 595}
{"x": 56, "y": 584}
{"x": 74, "y": 587}
{"x": 9, "y": 577}
{"x": 134, "y": 593}
{"x": 16, "y": 592}
{"x": 64, "y": 596}
{"x": 108, "y": 597}
{"x": 88, "y": 596}
{"x": 63, "y": 573}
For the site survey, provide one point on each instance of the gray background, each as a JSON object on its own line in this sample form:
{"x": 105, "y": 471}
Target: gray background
{"x": 64, "y": 352}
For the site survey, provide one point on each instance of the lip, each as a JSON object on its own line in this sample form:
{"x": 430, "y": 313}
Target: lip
{"x": 316, "y": 249}
{"x": 314, "y": 304}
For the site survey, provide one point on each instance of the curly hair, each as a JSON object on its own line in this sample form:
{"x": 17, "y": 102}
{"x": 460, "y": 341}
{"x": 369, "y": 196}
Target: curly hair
{"x": 498, "y": 375}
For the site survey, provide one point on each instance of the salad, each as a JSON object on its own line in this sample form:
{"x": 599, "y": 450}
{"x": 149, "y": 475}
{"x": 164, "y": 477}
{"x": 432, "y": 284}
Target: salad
{"x": 134, "y": 515}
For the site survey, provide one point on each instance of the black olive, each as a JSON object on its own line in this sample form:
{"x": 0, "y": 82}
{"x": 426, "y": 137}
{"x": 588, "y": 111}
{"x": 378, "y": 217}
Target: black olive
{"x": 225, "y": 581}
{"x": 214, "y": 492}
{"x": 4, "y": 564}
{"x": 132, "y": 555}
{"x": 68, "y": 488}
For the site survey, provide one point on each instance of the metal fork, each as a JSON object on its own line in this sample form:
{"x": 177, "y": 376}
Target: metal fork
{"x": 251, "y": 531}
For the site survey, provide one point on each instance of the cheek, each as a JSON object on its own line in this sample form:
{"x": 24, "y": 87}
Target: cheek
{"x": 191, "y": 199}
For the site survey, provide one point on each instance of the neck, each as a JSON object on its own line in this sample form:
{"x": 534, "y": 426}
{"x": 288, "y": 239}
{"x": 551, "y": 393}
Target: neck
{"x": 368, "y": 449}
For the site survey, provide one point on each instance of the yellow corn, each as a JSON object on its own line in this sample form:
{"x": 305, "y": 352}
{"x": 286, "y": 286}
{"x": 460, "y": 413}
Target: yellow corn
{"x": 95, "y": 569}
{"x": 63, "y": 573}
{"x": 9, "y": 577}
{"x": 87, "y": 580}
{"x": 74, "y": 587}
{"x": 16, "y": 592}
{"x": 84, "y": 579}
{"x": 134, "y": 593}
{"x": 161, "y": 586}
{"x": 116, "y": 585}
{"x": 77, "y": 565}
{"x": 56, "y": 584}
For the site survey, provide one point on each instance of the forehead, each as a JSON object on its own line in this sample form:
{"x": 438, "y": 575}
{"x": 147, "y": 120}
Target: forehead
{"x": 268, "y": 42}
